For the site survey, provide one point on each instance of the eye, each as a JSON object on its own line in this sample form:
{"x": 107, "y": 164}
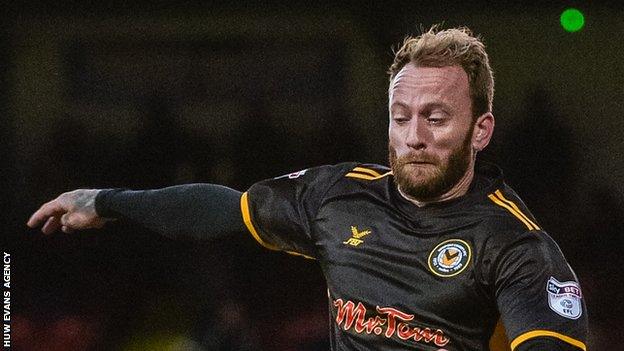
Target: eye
{"x": 435, "y": 120}
{"x": 400, "y": 119}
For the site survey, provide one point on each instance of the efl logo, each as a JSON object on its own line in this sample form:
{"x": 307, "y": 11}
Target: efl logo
{"x": 564, "y": 298}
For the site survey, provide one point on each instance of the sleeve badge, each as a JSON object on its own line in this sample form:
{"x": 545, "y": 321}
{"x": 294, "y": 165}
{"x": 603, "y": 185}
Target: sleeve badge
{"x": 564, "y": 298}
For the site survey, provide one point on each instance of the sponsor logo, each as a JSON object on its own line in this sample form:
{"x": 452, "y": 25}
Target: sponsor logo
{"x": 449, "y": 258}
{"x": 387, "y": 322}
{"x": 356, "y": 236}
{"x": 293, "y": 175}
{"x": 565, "y": 298}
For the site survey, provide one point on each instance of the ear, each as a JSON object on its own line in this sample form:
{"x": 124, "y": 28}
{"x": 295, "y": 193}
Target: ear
{"x": 482, "y": 132}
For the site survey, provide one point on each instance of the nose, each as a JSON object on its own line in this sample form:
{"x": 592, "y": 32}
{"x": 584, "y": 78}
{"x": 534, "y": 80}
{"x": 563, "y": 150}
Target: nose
{"x": 416, "y": 134}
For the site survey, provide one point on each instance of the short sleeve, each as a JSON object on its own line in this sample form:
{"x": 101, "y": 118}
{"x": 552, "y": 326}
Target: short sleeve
{"x": 537, "y": 293}
{"x": 278, "y": 212}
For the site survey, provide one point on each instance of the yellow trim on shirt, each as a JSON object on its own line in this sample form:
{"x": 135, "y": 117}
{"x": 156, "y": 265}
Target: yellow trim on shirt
{"x": 537, "y": 333}
{"x": 244, "y": 203}
{"x": 510, "y": 209}
{"x": 366, "y": 176}
{"x": 366, "y": 170}
{"x": 513, "y": 205}
{"x": 250, "y": 227}
{"x": 498, "y": 340}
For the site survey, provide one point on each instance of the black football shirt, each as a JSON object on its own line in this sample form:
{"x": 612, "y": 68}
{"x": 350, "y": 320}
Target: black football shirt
{"x": 403, "y": 277}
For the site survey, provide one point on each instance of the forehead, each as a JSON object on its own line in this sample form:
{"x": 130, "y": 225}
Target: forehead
{"x": 417, "y": 82}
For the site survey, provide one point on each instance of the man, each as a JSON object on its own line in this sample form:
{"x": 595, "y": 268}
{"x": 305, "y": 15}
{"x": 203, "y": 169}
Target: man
{"x": 427, "y": 256}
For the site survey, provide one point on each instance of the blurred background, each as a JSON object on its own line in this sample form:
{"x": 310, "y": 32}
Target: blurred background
{"x": 121, "y": 94}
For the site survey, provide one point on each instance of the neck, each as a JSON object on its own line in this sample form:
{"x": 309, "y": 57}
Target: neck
{"x": 459, "y": 189}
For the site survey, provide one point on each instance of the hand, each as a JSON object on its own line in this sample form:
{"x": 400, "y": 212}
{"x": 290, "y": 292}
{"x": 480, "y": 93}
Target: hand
{"x": 70, "y": 211}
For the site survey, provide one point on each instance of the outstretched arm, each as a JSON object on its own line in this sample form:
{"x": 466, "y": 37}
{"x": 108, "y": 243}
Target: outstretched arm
{"x": 200, "y": 211}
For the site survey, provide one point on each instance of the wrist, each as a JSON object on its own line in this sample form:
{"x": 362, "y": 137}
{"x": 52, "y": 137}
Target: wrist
{"x": 103, "y": 201}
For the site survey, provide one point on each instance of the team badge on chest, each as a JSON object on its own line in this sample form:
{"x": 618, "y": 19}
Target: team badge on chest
{"x": 564, "y": 298}
{"x": 449, "y": 258}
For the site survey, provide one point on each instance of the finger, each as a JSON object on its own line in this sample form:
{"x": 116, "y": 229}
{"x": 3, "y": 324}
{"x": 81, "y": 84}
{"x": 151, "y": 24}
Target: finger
{"x": 65, "y": 219}
{"x": 51, "y": 225}
{"x": 67, "y": 229}
{"x": 49, "y": 209}
{"x": 72, "y": 220}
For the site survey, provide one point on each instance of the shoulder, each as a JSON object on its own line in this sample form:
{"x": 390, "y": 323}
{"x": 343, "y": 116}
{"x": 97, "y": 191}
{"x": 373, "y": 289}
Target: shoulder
{"x": 342, "y": 174}
{"x": 362, "y": 178}
{"x": 319, "y": 180}
{"x": 506, "y": 222}
{"x": 516, "y": 233}
{"x": 368, "y": 171}
{"x": 504, "y": 211}
{"x": 337, "y": 181}
{"x": 317, "y": 176}
{"x": 323, "y": 171}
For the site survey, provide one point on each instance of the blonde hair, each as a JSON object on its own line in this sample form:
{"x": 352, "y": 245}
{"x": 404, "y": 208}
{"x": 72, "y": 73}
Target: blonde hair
{"x": 451, "y": 47}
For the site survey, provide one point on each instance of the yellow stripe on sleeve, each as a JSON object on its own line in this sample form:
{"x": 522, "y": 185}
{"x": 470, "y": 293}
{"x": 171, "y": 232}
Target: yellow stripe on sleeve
{"x": 244, "y": 202}
{"x": 249, "y": 225}
{"x": 510, "y": 209}
{"x": 513, "y": 205}
{"x": 537, "y": 333}
{"x": 300, "y": 254}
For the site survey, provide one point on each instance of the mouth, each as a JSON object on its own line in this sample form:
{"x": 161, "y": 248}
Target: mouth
{"x": 418, "y": 163}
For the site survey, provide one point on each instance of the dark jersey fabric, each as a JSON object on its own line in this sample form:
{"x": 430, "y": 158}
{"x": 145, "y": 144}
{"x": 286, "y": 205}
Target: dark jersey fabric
{"x": 402, "y": 277}
{"x": 189, "y": 211}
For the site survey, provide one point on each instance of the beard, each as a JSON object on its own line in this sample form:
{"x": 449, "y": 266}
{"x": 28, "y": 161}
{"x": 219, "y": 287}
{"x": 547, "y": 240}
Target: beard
{"x": 426, "y": 182}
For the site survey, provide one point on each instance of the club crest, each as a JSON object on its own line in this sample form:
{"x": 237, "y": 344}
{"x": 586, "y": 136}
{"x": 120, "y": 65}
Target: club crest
{"x": 449, "y": 258}
{"x": 564, "y": 298}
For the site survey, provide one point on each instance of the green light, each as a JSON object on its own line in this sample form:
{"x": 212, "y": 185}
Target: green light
{"x": 572, "y": 20}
